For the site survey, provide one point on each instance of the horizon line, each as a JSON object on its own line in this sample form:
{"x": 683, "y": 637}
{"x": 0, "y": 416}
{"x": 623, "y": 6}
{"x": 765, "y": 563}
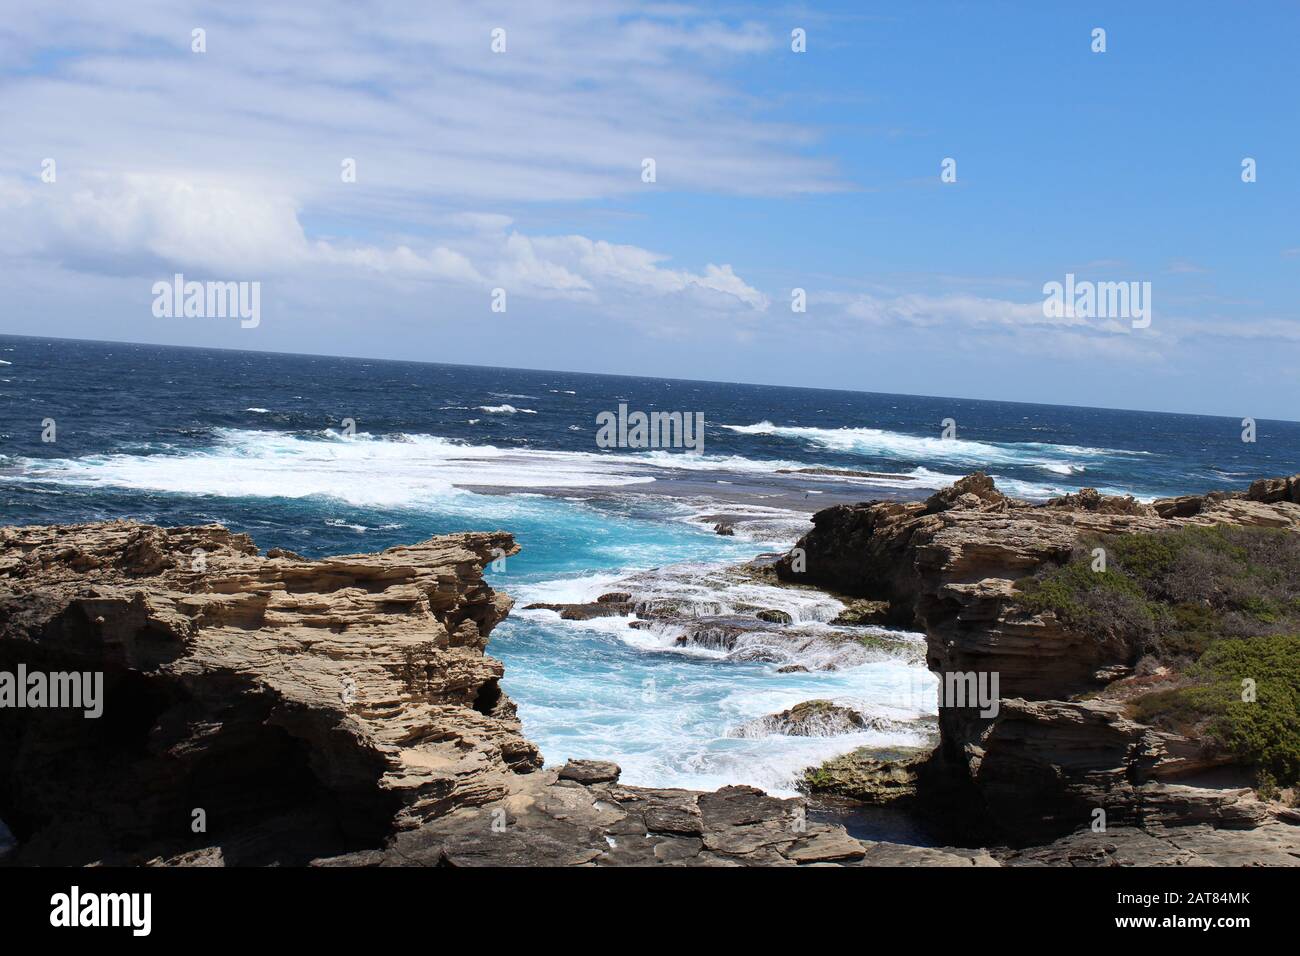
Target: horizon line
{"x": 698, "y": 381}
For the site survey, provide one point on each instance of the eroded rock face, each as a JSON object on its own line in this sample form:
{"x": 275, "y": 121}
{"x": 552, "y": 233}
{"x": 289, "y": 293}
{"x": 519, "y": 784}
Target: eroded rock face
{"x": 342, "y": 712}
{"x": 869, "y": 775}
{"x": 1272, "y": 490}
{"x": 948, "y": 567}
{"x": 333, "y": 700}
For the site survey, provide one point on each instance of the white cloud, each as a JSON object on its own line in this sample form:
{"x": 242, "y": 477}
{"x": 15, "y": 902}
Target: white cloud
{"x": 973, "y": 322}
{"x": 414, "y": 93}
{"x": 632, "y": 268}
{"x": 229, "y": 161}
{"x": 1287, "y": 330}
{"x": 957, "y": 311}
{"x": 138, "y": 225}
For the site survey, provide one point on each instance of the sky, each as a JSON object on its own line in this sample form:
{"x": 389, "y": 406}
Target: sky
{"x": 522, "y": 169}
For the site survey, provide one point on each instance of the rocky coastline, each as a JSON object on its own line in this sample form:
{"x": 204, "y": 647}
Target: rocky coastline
{"x": 267, "y": 709}
{"x": 1064, "y": 743}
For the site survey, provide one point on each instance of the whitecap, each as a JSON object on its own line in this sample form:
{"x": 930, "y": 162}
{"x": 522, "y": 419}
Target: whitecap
{"x": 408, "y": 471}
{"x": 880, "y": 443}
{"x": 506, "y": 410}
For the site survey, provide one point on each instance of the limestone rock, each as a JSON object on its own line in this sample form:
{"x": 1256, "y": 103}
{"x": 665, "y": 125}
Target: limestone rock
{"x": 948, "y": 567}
{"x": 860, "y": 612}
{"x": 590, "y": 771}
{"x": 812, "y": 718}
{"x": 351, "y": 692}
{"x": 544, "y": 822}
{"x": 869, "y": 775}
{"x": 1269, "y": 490}
{"x": 342, "y": 712}
{"x": 1271, "y": 844}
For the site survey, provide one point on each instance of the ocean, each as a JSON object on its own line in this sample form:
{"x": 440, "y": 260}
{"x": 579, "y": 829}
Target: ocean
{"x": 334, "y": 455}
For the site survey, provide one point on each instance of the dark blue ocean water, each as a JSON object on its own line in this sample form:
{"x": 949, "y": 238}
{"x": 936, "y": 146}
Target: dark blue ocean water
{"x": 153, "y": 400}
{"x": 256, "y": 442}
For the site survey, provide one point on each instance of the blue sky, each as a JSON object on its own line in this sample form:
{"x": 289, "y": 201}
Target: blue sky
{"x": 521, "y": 170}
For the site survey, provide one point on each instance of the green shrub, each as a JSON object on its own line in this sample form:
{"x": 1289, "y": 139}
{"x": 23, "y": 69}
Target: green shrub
{"x": 1105, "y": 603}
{"x": 1263, "y": 733}
{"x": 1217, "y": 605}
{"x": 1174, "y": 593}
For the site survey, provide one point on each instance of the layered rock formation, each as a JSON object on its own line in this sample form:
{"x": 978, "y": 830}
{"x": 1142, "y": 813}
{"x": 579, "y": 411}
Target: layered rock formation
{"x": 266, "y": 709}
{"x": 336, "y": 699}
{"x": 1050, "y": 756}
{"x": 583, "y": 816}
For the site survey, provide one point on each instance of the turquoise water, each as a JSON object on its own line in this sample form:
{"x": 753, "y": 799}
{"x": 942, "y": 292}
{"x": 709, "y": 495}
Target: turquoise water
{"x": 668, "y": 716}
{"x": 259, "y": 443}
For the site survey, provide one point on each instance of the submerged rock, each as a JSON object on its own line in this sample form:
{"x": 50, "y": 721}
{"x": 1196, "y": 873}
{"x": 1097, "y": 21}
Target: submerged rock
{"x": 746, "y": 613}
{"x": 585, "y": 612}
{"x": 824, "y": 718}
{"x": 859, "y": 612}
{"x": 843, "y": 473}
{"x": 815, "y": 718}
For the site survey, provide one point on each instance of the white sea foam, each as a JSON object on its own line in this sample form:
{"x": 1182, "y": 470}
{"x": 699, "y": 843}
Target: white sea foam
{"x": 393, "y": 471}
{"x": 682, "y": 734}
{"x": 338, "y": 523}
{"x": 684, "y": 737}
{"x": 408, "y": 470}
{"x": 506, "y": 410}
{"x": 573, "y": 590}
{"x": 886, "y": 444}
{"x": 678, "y": 608}
{"x": 676, "y": 716}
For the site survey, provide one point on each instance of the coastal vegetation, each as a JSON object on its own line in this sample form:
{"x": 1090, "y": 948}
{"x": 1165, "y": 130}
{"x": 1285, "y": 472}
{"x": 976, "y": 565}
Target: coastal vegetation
{"x": 1212, "y": 617}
